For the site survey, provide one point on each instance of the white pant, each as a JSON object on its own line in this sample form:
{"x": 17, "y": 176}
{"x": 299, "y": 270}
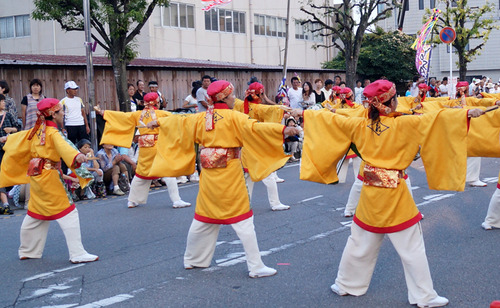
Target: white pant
{"x": 360, "y": 256}
{"x": 356, "y": 162}
{"x": 473, "y": 169}
{"x": 139, "y": 190}
{"x": 202, "y": 238}
{"x": 353, "y": 200}
{"x": 34, "y": 234}
{"x": 493, "y": 215}
{"x": 271, "y": 185}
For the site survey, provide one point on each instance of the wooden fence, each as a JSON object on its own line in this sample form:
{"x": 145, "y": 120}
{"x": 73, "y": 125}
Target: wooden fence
{"x": 174, "y": 83}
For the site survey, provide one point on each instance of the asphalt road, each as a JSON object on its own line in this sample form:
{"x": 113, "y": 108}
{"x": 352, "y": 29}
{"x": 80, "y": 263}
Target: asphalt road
{"x": 141, "y": 252}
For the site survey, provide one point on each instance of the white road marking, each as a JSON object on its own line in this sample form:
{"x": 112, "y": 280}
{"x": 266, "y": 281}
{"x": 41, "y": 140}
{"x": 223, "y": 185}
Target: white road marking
{"x": 61, "y": 306}
{"x": 312, "y": 198}
{"x": 434, "y": 198}
{"x": 491, "y": 180}
{"x": 340, "y": 208}
{"x": 48, "y": 274}
{"x": 415, "y": 187}
{"x": 236, "y": 258}
{"x": 108, "y": 301}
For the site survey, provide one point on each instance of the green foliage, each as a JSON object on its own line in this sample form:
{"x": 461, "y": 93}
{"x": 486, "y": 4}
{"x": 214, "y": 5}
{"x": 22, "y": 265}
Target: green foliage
{"x": 383, "y": 54}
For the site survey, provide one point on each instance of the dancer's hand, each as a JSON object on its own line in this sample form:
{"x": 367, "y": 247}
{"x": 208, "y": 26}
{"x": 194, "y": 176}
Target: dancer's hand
{"x": 291, "y": 131}
{"x": 474, "y": 113}
{"x": 296, "y": 113}
{"x": 81, "y": 158}
{"x": 152, "y": 125}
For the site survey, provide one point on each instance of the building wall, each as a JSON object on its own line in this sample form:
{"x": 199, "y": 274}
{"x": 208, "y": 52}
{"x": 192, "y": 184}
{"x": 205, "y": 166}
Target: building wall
{"x": 485, "y": 64}
{"x": 158, "y": 41}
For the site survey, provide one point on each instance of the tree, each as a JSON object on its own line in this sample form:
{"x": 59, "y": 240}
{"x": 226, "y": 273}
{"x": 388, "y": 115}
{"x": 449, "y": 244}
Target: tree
{"x": 116, "y": 22}
{"x": 471, "y": 25}
{"x": 345, "y": 25}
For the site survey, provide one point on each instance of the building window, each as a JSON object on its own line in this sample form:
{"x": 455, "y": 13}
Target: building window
{"x": 380, "y": 8}
{"x": 225, "y": 21}
{"x": 454, "y": 3}
{"x": 420, "y": 4}
{"x": 407, "y": 5}
{"x": 432, "y": 4}
{"x": 15, "y": 26}
{"x": 178, "y": 15}
{"x": 269, "y": 25}
{"x": 303, "y": 32}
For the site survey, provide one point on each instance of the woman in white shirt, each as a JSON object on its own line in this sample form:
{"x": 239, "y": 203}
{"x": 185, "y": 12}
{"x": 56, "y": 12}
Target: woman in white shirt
{"x": 308, "y": 96}
{"x": 191, "y": 102}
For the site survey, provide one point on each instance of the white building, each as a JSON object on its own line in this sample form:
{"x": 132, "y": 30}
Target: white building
{"x": 486, "y": 64}
{"x": 251, "y": 32}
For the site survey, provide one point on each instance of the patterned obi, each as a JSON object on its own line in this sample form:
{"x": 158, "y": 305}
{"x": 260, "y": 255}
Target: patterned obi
{"x": 147, "y": 141}
{"x": 37, "y": 165}
{"x": 218, "y": 157}
{"x": 380, "y": 177}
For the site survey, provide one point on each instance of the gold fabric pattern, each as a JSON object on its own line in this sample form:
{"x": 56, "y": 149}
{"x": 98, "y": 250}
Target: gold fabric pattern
{"x": 379, "y": 177}
{"x": 218, "y": 157}
{"x": 147, "y": 141}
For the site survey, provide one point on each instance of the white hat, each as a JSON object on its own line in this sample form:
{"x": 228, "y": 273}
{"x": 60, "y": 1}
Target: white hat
{"x": 490, "y": 85}
{"x": 71, "y": 85}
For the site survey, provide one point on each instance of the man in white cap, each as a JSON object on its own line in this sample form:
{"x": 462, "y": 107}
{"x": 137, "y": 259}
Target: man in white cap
{"x": 75, "y": 119}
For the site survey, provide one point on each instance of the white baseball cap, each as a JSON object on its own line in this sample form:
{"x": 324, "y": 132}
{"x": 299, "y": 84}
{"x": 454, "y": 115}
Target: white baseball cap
{"x": 71, "y": 85}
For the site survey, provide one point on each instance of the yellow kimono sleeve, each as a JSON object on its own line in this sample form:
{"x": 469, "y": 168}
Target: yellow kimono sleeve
{"x": 68, "y": 153}
{"x": 443, "y": 140}
{"x": 263, "y": 146}
{"x": 484, "y": 133}
{"x": 119, "y": 129}
{"x": 353, "y": 112}
{"x": 322, "y": 149}
{"x": 268, "y": 113}
{"x": 16, "y": 159}
{"x": 176, "y": 155}
{"x": 491, "y": 95}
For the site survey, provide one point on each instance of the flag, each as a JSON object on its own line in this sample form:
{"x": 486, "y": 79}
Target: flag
{"x": 423, "y": 56}
{"x": 282, "y": 92}
{"x": 209, "y": 4}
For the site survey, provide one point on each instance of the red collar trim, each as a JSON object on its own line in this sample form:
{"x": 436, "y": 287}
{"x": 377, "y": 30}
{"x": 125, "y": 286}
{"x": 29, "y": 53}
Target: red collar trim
{"x": 50, "y": 123}
{"x": 221, "y": 106}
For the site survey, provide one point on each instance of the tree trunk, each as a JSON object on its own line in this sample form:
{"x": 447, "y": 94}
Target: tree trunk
{"x": 351, "y": 64}
{"x": 120, "y": 74}
{"x": 462, "y": 66}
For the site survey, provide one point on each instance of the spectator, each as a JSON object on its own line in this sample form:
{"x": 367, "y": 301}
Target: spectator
{"x": 8, "y": 125}
{"x": 337, "y": 79}
{"x": 414, "y": 88}
{"x": 320, "y": 96}
{"x": 84, "y": 146}
{"x": 28, "y": 104}
{"x": 408, "y": 89}
{"x": 132, "y": 101}
{"x": 308, "y": 96}
{"x": 139, "y": 95}
{"x": 75, "y": 119}
{"x": 295, "y": 93}
{"x": 358, "y": 92}
{"x": 111, "y": 164}
{"x": 153, "y": 87}
{"x": 10, "y": 104}
{"x": 201, "y": 93}
{"x": 443, "y": 88}
{"x": 327, "y": 90}
{"x": 433, "y": 88}
{"x": 190, "y": 101}
{"x": 292, "y": 142}
{"x": 342, "y": 84}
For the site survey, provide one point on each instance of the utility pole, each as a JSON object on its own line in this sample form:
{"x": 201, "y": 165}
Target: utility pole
{"x": 286, "y": 38}
{"x": 90, "y": 74}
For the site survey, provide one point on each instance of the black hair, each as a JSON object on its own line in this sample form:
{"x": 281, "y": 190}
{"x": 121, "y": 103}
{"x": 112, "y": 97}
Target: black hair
{"x": 338, "y": 77}
{"x": 341, "y": 83}
{"x": 38, "y": 82}
{"x": 5, "y": 86}
{"x": 82, "y": 142}
{"x": 194, "y": 90}
{"x": 153, "y": 83}
{"x": 2, "y": 97}
{"x": 358, "y": 81}
{"x": 328, "y": 81}
{"x": 375, "y": 114}
{"x": 130, "y": 85}
{"x": 288, "y": 121}
{"x": 206, "y": 77}
{"x": 137, "y": 83}
{"x": 415, "y": 78}
{"x": 196, "y": 84}
{"x": 445, "y": 78}
{"x": 294, "y": 78}
{"x": 310, "y": 88}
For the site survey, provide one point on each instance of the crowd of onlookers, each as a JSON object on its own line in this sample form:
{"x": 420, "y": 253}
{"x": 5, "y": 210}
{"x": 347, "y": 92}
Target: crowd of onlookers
{"x": 439, "y": 88}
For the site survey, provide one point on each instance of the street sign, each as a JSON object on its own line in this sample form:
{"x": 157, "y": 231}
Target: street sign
{"x": 447, "y": 35}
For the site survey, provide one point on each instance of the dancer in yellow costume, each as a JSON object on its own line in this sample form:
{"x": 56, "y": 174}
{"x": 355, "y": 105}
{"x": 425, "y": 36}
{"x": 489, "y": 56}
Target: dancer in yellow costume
{"x": 254, "y": 107}
{"x": 222, "y": 198}
{"x": 388, "y": 143}
{"x": 119, "y": 131}
{"x": 37, "y": 153}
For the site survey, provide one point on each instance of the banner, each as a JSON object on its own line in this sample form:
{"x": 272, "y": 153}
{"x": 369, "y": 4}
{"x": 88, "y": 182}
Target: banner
{"x": 209, "y": 4}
